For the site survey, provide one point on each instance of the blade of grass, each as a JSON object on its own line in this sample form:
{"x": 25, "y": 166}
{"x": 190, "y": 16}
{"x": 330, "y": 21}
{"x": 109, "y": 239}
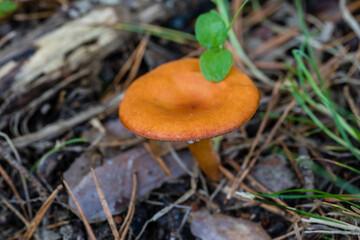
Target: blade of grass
{"x": 299, "y": 97}
{"x": 295, "y": 210}
{"x": 55, "y": 149}
{"x": 320, "y": 194}
{"x": 323, "y": 94}
{"x": 237, "y": 14}
{"x": 166, "y": 33}
{"x": 292, "y": 118}
{"x": 330, "y": 177}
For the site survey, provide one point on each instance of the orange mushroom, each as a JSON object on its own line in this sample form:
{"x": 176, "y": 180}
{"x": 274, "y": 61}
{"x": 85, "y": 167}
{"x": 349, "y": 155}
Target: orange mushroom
{"x": 174, "y": 102}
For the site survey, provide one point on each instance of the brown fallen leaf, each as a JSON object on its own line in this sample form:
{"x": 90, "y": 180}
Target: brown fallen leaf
{"x": 274, "y": 173}
{"x": 115, "y": 178}
{"x": 208, "y": 226}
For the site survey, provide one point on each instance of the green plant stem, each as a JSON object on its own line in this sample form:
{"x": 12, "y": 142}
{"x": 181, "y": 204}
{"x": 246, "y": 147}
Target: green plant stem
{"x": 222, "y": 7}
{"x": 166, "y": 33}
{"x": 237, "y": 14}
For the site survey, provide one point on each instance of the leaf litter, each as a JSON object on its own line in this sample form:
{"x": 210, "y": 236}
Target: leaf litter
{"x": 70, "y": 107}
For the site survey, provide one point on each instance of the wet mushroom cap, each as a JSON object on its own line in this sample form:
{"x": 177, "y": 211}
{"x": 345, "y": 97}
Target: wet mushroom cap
{"x": 174, "y": 102}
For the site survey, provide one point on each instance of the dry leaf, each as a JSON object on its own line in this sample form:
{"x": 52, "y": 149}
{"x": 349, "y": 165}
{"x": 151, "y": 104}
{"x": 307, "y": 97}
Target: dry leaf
{"x": 116, "y": 180}
{"x": 222, "y": 227}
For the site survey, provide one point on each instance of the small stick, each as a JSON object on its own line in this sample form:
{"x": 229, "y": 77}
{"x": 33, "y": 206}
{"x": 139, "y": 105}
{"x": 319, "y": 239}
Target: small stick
{"x": 292, "y": 161}
{"x": 178, "y": 160}
{"x": 349, "y": 18}
{"x": 139, "y": 57}
{"x": 352, "y": 104}
{"x": 288, "y": 234}
{"x": 23, "y": 180}
{"x": 274, "y": 42}
{"x": 14, "y": 210}
{"x": 105, "y": 206}
{"x": 40, "y": 214}
{"x": 166, "y": 209}
{"x": 13, "y": 189}
{"x": 130, "y": 214}
{"x": 81, "y": 212}
{"x": 56, "y": 225}
{"x": 241, "y": 176}
{"x": 212, "y": 204}
{"x": 12, "y": 162}
{"x": 158, "y": 159}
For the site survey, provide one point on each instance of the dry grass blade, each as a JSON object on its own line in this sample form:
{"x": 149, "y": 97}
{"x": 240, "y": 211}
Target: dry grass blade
{"x": 275, "y": 96}
{"x": 256, "y": 184}
{"x": 266, "y": 65}
{"x": 339, "y": 224}
{"x": 158, "y": 159}
{"x": 292, "y": 162}
{"x": 126, "y": 67}
{"x": 349, "y": 18}
{"x": 22, "y": 176}
{"x": 274, "y": 99}
{"x": 166, "y": 209}
{"x": 178, "y": 160}
{"x": 33, "y": 16}
{"x": 244, "y": 196}
{"x": 105, "y": 206}
{"x": 130, "y": 214}
{"x": 40, "y": 214}
{"x": 351, "y": 103}
{"x": 237, "y": 24}
{"x": 62, "y": 126}
{"x": 14, "y": 210}
{"x": 355, "y": 209}
{"x": 240, "y": 177}
{"x": 297, "y": 231}
{"x": 285, "y": 236}
{"x": 274, "y": 42}
{"x": 210, "y": 203}
{"x": 15, "y": 164}
{"x": 82, "y": 215}
{"x": 138, "y": 58}
{"x": 257, "y": 16}
{"x": 56, "y": 225}
{"x": 17, "y": 235}
{"x": 13, "y": 189}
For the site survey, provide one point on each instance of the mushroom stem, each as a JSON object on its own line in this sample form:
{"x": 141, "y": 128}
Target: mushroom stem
{"x": 207, "y": 158}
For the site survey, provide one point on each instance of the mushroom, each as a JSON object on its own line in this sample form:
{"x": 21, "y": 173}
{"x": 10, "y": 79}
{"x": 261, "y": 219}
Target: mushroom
{"x": 174, "y": 102}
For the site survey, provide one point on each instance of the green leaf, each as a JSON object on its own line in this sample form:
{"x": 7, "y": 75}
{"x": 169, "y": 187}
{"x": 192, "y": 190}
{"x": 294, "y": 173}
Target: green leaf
{"x": 7, "y": 6}
{"x": 210, "y": 30}
{"x": 215, "y": 64}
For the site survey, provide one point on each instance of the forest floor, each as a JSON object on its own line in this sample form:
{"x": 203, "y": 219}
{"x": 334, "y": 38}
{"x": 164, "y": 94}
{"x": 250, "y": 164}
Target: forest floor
{"x": 291, "y": 172}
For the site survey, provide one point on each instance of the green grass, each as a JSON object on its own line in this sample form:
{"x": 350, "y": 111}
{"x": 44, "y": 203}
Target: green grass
{"x": 157, "y": 31}
{"x": 307, "y": 86}
{"x": 312, "y": 94}
{"x": 54, "y": 150}
{"x": 7, "y": 7}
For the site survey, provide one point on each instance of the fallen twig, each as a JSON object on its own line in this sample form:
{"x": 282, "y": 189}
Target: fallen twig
{"x": 130, "y": 214}
{"x": 40, "y": 214}
{"x": 82, "y": 215}
{"x": 105, "y": 206}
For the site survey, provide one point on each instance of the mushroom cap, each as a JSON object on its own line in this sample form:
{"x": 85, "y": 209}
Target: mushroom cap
{"x": 174, "y": 102}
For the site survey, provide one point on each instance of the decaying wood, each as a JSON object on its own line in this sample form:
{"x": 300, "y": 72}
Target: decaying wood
{"x": 64, "y": 125}
{"x": 64, "y": 46}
